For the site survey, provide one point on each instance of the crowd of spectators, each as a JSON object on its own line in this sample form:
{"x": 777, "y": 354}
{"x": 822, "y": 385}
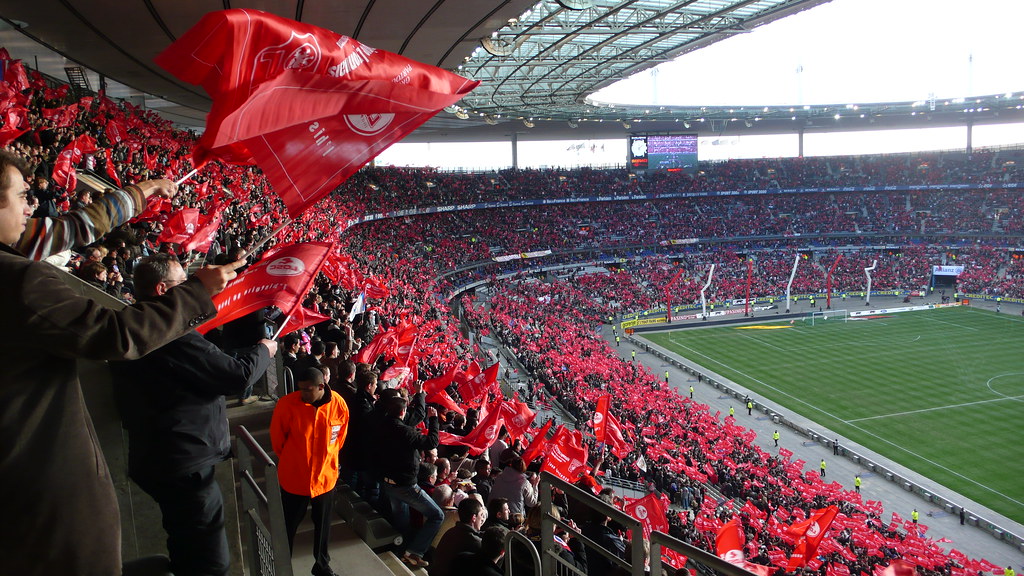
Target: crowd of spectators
{"x": 550, "y": 326}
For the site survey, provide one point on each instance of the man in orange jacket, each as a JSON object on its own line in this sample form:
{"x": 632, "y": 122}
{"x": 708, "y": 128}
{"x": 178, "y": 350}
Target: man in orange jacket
{"x": 307, "y": 431}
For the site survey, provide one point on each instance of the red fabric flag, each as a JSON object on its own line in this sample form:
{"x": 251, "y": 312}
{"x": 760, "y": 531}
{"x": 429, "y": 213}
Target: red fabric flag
{"x": 620, "y": 447}
{"x": 650, "y": 511}
{"x": 64, "y": 168}
{"x": 810, "y": 532}
{"x": 181, "y": 226}
{"x": 486, "y": 432}
{"x": 13, "y": 117}
{"x": 442, "y": 398}
{"x": 207, "y": 230}
{"x": 567, "y": 456}
{"x": 438, "y": 384}
{"x": 61, "y": 117}
{"x": 280, "y": 279}
{"x": 301, "y": 318}
{"x": 308, "y": 105}
{"x": 518, "y": 417}
{"x": 898, "y": 567}
{"x": 729, "y": 542}
{"x": 116, "y": 131}
{"x": 538, "y": 445}
{"x": 111, "y": 173}
{"x": 474, "y": 389}
{"x": 375, "y": 288}
{"x": 600, "y": 418}
{"x": 14, "y": 74}
{"x": 382, "y": 343}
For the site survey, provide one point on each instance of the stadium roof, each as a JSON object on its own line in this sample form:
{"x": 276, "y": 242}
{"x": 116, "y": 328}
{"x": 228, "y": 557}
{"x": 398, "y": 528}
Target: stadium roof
{"x": 538, "y": 61}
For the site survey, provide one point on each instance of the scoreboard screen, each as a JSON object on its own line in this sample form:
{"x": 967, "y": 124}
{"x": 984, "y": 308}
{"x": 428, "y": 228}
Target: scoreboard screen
{"x": 663, "y": 152}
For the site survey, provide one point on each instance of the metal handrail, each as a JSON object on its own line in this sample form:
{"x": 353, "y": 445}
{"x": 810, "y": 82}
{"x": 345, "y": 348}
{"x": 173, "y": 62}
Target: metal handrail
{"x": 534, "y": 556}
{"x": 659, "y": 539}
{"x": 257, "y": 499}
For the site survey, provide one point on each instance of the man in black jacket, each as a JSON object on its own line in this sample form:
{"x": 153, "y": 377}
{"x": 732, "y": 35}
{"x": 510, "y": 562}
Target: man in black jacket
{"x": 463, "y": 537}
{"x": 400, "y": 446}
{"x": 172, "y": 404}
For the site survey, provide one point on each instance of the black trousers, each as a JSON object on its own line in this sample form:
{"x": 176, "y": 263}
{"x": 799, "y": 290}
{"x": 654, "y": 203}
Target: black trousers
{"x": 295, "y": 510}
{"x": 193, "y": 517}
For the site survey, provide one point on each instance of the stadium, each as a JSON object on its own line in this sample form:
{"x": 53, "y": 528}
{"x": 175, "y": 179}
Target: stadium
{"x": 756, "y": 363}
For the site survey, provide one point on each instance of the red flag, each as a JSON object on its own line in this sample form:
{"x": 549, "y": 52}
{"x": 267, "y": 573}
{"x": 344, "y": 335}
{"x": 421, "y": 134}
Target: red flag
{"x": 300, "y": 318}
{"x": 382, "y": 343}
{"x": 600, "y": 418}
{"x": 474, "y": 389}
{"x": 111, "y": 173}
{"x": 650, "y": 511}
{"x": 64, "y": 168}
{"x": 518, "y": 417}
{"x": 810, "y": 532}
{"x": 538, "y": 445}
{"x": 375, "y": 288}
{"x": 620, "y": 447}
{"x": 308, "y": 105}
{"x": 181, "y": 226}
{"x": 280, "y": 279}
{"x": 729, "y": 542}
{"x": 61, "y": 117}
{"x": 486, "y": 432}
{"x": 204, "y": 236}
{"x": 898, "y": 567}
{"x": 14, "y": 74}
{"x": 567, "y": 456}
{"x": 13, "y": 117}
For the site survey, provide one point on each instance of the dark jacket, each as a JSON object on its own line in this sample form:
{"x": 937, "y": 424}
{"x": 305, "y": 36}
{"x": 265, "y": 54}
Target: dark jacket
{"x": 474, "y": 564}
{"x": 58, "y": 501}
{"x": 172, "y": 403}
{"x": 399, "y": 449}
{"x": 357, "y": 452}
{"x": 460, "y": 538}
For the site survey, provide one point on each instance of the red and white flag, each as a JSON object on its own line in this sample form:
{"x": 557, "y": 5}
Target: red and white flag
{"x": 810, "y": 533}
{"x": 280, "y": 279}
{"x": 566, "y": 455}
{"x": 729, "y": 542}
{"x": 308, "y": 105}
{"x": 650, "y": 511}
{"x": 64, "y": 168}
{"x": 181, "y": 226}
{"x": 600, "y": 418}
{"x": 538, "y": 446}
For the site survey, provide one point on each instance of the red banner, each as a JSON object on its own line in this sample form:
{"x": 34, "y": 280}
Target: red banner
{"x": 280, "y": 279}
{"x": 810, "y": 533}
{"x": 64, "y": 168}
{"x": 539, "y": 444}
{"x": 729, "y": 542}
{"x": 308, "y": 105}
{"x": 567, "y": 456}
{"x": 650, "y": 511}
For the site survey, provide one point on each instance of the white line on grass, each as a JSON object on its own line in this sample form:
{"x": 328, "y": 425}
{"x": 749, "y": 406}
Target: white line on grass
{"x": 1004, "y": 397}
{"x": 869, "y": 433}
{"x": 993, "y": 390}
{"x": 951, "y": 323}
{"x": 768, "y": 344}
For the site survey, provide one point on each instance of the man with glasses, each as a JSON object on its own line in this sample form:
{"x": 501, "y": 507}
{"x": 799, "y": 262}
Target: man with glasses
{"x": 172, "y": 404}
{"x": 307, "y": 430}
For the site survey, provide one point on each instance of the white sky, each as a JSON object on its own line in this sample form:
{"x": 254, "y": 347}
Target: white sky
{"x": 846, "y": 51}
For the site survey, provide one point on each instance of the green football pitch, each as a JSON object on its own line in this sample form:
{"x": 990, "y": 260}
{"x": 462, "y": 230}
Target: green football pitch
{"x": 940, "y": 391}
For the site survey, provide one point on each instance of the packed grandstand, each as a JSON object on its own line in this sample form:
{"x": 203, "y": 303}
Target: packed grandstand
{"x": 421, "y": 238}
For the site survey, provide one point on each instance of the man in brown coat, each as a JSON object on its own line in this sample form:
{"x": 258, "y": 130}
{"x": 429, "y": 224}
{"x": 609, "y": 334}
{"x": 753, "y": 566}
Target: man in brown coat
{"x": 60, "y": 511}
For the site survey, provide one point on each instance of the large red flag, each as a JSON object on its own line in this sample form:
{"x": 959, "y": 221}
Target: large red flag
{"x": 280, "y": 279}
{"x": 300, "y": 318}
{"x": 474, "y": 389}
{"x": 518, "y": 417}
{"x": 600, "y": 418}
{"x": 538, "y": 445}
{"x": 620, "y": 447}
{"x": 308, "y": 105}
{"x": 64, "y": 168}
{"x": 729, "y": 542}
{"x": 205, "y": 232}
{"x": 567, "y": 456}
{"x": 382, "y": 343}
{"x": 181, "y": 226}
{"x": 810, "y": 532}
{"x": 13, "y": 117}
{"x": 650, "y": 511}
{"x": 111, "y": 172}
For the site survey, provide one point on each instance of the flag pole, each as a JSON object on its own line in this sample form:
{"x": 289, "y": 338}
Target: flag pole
{"x": 187, "y": 176}
{"x": 266, "y": 238}
{"x": 281, "y": 328}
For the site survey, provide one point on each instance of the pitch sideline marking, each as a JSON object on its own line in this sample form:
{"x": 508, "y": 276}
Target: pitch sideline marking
{"x": 951, "y": 324}
{"x": 1004, "y": 397}
{"x": 869, "y": 433}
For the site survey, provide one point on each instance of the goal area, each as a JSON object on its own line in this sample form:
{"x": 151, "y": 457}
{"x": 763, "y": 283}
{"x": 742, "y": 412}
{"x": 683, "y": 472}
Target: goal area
{"x": 830, "y": 315}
